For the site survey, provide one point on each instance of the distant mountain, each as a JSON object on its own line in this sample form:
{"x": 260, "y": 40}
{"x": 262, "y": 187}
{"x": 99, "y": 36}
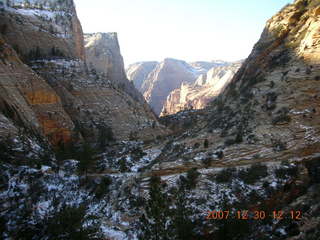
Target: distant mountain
{"x": 166, "y": 84}
{"x": 197, "y": 95}
{"x": 156, "y": 80}
{"x": 138, "y": 72}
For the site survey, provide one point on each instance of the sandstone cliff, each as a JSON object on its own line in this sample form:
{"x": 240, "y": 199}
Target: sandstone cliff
{"x": 60, "y": 96}
{"x": 197, "y": 95}
{"x": 28, "y": 101}
{"x": 42, "y": 28}
{"x": 138, "y": 72}
{"x": 156, "y": 81}
{"x": 255, "y": 148}
{"x": 103, "y": 54}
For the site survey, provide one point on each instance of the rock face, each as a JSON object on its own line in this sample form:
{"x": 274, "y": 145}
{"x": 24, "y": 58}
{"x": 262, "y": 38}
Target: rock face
{"x": 254, "y": 150}
{"x": 103, "y": 55}
{"x": 197, "y": 95}
{"x": 57, "y": 95}
{"x": 274, "y": 95}
{"x": 138, "y": 72}
{"x": 156, "y": 80}
{"x": 28, "y": 101}
{"x": 43, "y": 28}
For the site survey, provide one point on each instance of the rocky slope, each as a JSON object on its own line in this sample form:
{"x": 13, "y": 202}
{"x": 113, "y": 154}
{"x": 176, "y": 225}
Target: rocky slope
{"x": 61, "y": 96}
{"x": 267, "y": 114}
{"x": 197, "y": 95}
{"x": 156, "y": 80}
{"x": 252, "y": 155}
{"x": 103, "y": 55}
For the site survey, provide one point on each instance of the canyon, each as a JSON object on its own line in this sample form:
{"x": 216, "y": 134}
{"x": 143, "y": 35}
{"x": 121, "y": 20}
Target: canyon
{"x": 174, "y": 85}
{"x": 83, "y": 156}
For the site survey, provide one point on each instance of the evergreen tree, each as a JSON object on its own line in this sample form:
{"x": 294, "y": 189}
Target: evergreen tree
{"x": 86, "y": 158}
{"x": 68, "y": 223}
{"x": 206, "y": 143}
{"x": 157, "y": 212}
{"x": 181, "y": 222}
{"x": 105, "y": 135}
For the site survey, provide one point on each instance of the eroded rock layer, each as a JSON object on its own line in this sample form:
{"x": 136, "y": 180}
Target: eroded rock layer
{"x": 60, "y": 96}
{"x": 197, "y": 95}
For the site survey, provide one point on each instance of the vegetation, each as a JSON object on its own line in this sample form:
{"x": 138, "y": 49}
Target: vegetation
{"x": 282, "y": 116}
{"x": 192, "y": 176}
{"x": 153, "y": 224}
{"x": 286, "y": 170}
{"x": 253, "y": 174}
{"x": 206, "y": 143}
{"x": 226, "y": 175}
{"x": 86, "y": 158}
{"x": 105, "y": 136}
{"x": 3, "y": 29}
{"x": 68, "y": 223}
{"x": 103, "y": 187}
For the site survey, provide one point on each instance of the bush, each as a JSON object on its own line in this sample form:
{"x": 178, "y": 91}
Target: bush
{"x": 206, "y": 143}
{"x": 3, "y": 29}
{"x": 68, "y": 223}
{"x": 253, "y": 174}
{"x": 192, "y": 176}
{"x": 286, "y": 170}
{"x": 278, "y": 145}
{"x": 196, "y": 145}
{"x": 123, "y": 165}
{"x": 103, "y": 187}
{"x": 270, "y": 101}
{"x": 207, "y": 161}
{"x": 105, "y": 135}
{"x": 225, "y": 175}
{"x": 281, "y": 116}
{"x": 86, "y": 158}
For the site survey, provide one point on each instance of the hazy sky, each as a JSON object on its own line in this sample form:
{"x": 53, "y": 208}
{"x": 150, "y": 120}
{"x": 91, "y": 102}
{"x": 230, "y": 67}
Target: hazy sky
{"x": 184, "y": 29}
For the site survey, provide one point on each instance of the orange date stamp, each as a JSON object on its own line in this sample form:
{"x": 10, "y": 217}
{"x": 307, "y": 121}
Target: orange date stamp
{"x": 253, "y": 215}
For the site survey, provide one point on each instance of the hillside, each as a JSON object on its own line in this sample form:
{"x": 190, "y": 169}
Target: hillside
{"x": 245, "y": 167}
{"x": 47, "y": 37}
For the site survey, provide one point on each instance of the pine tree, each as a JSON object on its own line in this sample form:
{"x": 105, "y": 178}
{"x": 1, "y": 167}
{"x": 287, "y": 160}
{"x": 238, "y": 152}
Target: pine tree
{"x": 86, "y": 158}
{"x": 157, "y": 212}
{"x": 181, "y": 222}
{"x": 206, "y": 143}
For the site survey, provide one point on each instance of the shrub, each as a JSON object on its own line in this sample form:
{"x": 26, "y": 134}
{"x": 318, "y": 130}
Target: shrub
{"x": 270, "y": 101}
{"x": 68, "y": 223}
{"x": 253, "y": 174}
{"x": 207, "y": 161}
{"x": 105, "y": 135}
{"x": 103, "y": 187}
{"x": 308, "y": 71}
{"x": 192, "y": 176}
{"x": 229, "y": 142}
{"x": 86, "y": 158}
{"x": 281, "y": 116}
{"x": 196, "y": 145}
{"x": 278, "y": 145}
{"x": 123, "y": 165}
{"x": 286, "y": 171}
{"x": 225, "y": 175}
{"x": 3, "y": 29}
{"x": 206, "y": 143}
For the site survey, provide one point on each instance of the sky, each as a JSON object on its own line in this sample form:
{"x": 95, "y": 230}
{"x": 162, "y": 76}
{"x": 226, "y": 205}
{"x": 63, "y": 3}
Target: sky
{"x": 191, "y": 30}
